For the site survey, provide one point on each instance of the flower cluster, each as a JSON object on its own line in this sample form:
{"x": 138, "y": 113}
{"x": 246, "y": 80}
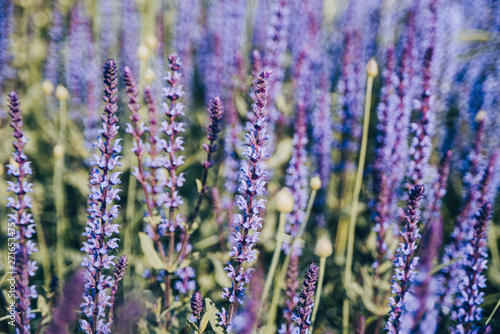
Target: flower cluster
{"x": 172, "y": 128}
{"x": 248, "y": 224}
{"x": 467, "y": 311}
{"x": 307, "y": 299}
{"x": 20, "y": 217}
{"x": 406, "y": 262}
{"x": 297, "y": 174}
{"x": 292, "y": 284}
{"x": 102, "y": 213}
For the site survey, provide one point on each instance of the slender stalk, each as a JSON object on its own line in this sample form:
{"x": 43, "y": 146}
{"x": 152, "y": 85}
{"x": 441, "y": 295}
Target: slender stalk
{"x": 58, "y": 187}
{"x": 493, "y": 312}
{"x": 273, "y": 309}
{"x": 322, "y": 265}
{"x": 355, "y": 204}
{"x": 274, "y": 261}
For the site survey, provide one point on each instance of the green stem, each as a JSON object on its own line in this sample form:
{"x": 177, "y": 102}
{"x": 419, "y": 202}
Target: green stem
{"x": 274, "y": 261}
{"x": 273, "y": 310}
{"x": 493, "y": 313}
{"x": 355, "y": 203}
{"x": 59, "y": 188}
{"x": 322, "y": 265}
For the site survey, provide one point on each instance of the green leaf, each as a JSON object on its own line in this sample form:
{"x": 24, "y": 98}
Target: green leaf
{"x": 220, "y": 275}
{"x": 213, "y": 318}
{"x": 149, "y": 250}
{"x": 204, "y": 321}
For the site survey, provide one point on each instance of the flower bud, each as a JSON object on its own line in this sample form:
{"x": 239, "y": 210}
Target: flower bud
{"x": 481, "y": 116}
{"x": 152, "y": 42}
{"x": 324, "y": 247}
{"x": 372, "y": 68}
{"x": 62, "y": 93}
{"x": 143, "y": 52}
{"x": 47, "y": 87}
{"x": 149, "y": 75}
{"x": 58, "y": 151}
{"x": 285, "y": 201}
{"x": 315, "y": 183}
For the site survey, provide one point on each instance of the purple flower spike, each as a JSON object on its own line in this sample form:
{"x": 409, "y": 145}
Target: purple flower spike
{"x": 185, "y": 284}
{"x": 307, "y": 299}
{"x": 466, "y": 313}
{"x": 405, "y": 261}
{"x": 21, "y": 218}
{"x": 118, "y": 274}
{"x": 252, "y": 186}
{"x": 51, "y": 69}
{"x": 420, "y": 314}
{"x": 130, "y": 34}
{"x": 6, "y": 26}
{"x": 297, "y": 175}
{"x": 361, "y": 326}
{"x": 102, "y": 213}
{"x": 292, "y": 284}
{"x": 172, "y": 128}
{"x": 197, "y": 305}
{"x": 68, "y": 304}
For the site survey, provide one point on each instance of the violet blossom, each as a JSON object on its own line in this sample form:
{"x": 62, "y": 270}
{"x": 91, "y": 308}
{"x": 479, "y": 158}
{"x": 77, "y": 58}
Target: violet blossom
{"x": 21, "y": 218}
{"x": 467, "y": 312}
{"x": 130, "y": 31}
{"x": 406, "y": 261}
{"x": 306, "y": 299}
{"x": 100, "y": 227}
{"x": 292, "y": 298}
{"x": 253, "y": 186}
{"x": 296, "y": 178}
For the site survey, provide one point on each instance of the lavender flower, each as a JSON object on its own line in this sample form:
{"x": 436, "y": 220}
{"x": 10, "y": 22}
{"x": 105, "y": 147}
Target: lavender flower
{"x": 361, "y": 326}
{"x": 109, "y": 27}
{"x": 420, "y": 313}
{"x": 171, "y": 200}
{"x": 186, "y": 35}
{"x": 130, "y": 35}
{"x": 20, "y": 217}
{"x": 185, "y": 284}
{"x": 467, "y": 311}
{"x": 51, "y": 70}
{"x": 292, "y": 284}
{"x": 297, "y": 175}
{"x": 197, "y": 305}
{"x": 153, "y": 149}
{"x": 406, "y": 261}
{"x": 6, "y": 25}
{"x": 80, "y": 54}
{"x": 307, "y": 299}
{"x": 65, "y": 313}
{"x": 253, "y": 185}
{"x": 100, "y": 227}
{"x": 118, "y": 274}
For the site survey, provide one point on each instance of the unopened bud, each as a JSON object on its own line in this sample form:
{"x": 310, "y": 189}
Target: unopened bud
{"x": 285, "y": 201}
{"x": 47, "y": 87}
{"x": 150, "y": 75}
{"x": 152, "y": 42}
{"x": 58, "y": 151}
{"x": 62, "y": 93}
{"x": 315, "y": 183}
{"x": 372, "y": 68}
{"x": 324, "y": 247}
{"x": 481, "y": 116}
{"x": 143, "y": 52}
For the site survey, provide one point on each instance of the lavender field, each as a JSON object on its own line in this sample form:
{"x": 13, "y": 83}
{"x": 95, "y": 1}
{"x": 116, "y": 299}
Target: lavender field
{"x": 249, "y": 166}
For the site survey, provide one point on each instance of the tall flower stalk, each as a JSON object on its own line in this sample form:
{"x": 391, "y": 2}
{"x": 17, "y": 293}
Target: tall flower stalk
{"x": 307, "y": 299}
{"x": 102, "y": 213}
{"x": 247, "y": 224}
{"x": 20, "y": 217}
{"x": 467, "y": 311}
{"x": 406, "y": 261}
